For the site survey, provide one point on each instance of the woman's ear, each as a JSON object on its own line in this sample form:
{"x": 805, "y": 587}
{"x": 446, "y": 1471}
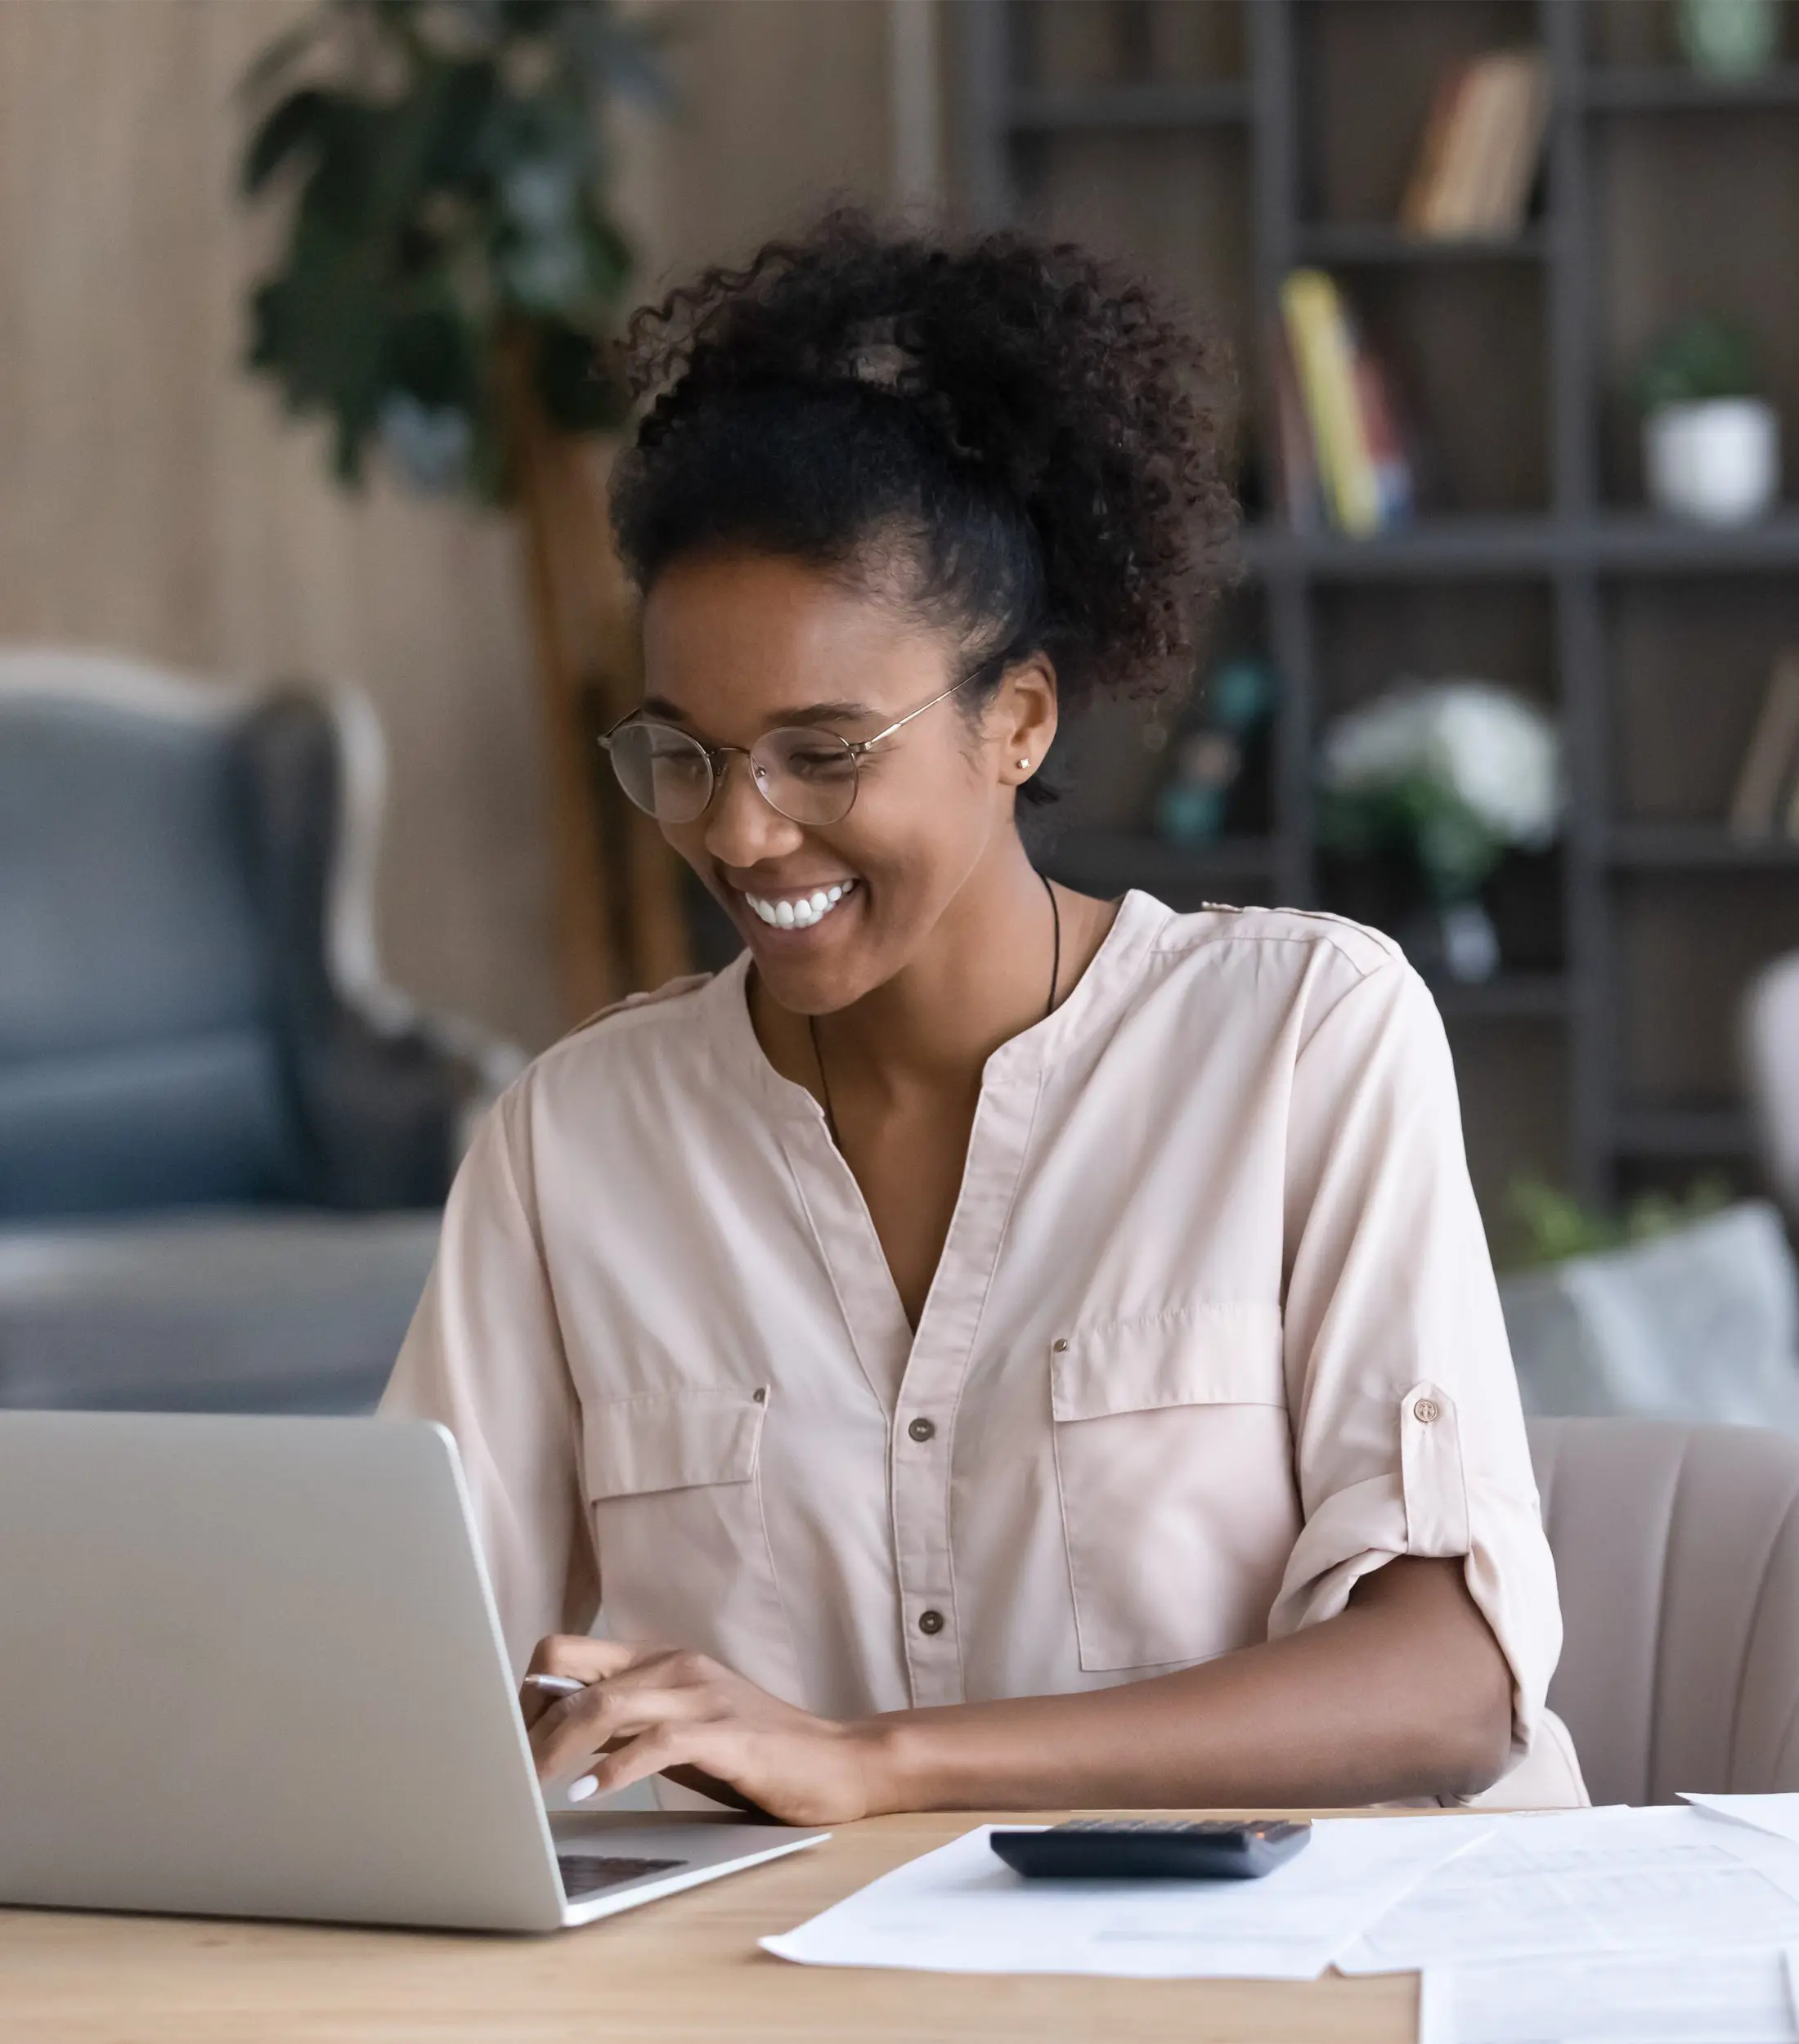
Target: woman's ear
{"x": 1022, "y": 718}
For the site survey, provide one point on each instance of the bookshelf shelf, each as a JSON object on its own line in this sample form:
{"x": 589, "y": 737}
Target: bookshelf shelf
{"x": 1463, "y": 544}
{"x": 1108, "y": 862}
{"x": 1681, "y": 1133}
{"x": 1453, "y": 546}
{"x": 1513, "y": 352}
{"x": 1061, "y": 109}
{"x": 1668, "y": 90}
{"x": 1639, "y": 541}
{"x": 1359, "y": 244}
{"x": 1520, "y": 997}
{"x": 1698, "y": 847}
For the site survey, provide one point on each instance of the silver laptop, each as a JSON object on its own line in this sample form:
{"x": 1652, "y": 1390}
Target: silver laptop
{"x": 251, "y": 1667}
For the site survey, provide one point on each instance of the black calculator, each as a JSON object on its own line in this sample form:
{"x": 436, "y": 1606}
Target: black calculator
{"x": 1106, "y": 1849}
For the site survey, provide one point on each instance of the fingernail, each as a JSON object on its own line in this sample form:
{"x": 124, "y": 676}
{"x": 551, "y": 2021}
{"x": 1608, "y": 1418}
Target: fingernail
{"x": 579, "y": 1791}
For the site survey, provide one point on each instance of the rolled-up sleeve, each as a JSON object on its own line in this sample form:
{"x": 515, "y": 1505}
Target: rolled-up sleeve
{"x": 1409, "y": 1437}
{"x": 484, "y": 1355}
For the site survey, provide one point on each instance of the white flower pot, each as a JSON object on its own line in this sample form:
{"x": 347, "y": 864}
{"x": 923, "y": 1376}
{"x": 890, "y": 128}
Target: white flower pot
{"x": 1717, "y": 461}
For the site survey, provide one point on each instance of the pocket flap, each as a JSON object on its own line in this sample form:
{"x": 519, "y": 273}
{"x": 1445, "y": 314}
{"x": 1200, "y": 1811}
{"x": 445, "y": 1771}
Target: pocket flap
{"x": 669, "y": 1440}
{"x": 1226, "y": 1354}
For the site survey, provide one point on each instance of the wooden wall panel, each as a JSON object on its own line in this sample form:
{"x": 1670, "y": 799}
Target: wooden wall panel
{"x": 153, "y": 501}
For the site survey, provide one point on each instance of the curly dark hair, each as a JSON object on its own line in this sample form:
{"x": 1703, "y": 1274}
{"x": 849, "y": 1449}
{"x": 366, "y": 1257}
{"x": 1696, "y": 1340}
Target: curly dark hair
{"x": 1012, "y": 436}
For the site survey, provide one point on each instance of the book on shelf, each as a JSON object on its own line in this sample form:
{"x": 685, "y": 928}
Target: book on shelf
{"x": 1341, "y": 452}
{"x": 1768, "y": 769}
{"x": 1481, "y": 143}
{"x": 1296, "y": 468}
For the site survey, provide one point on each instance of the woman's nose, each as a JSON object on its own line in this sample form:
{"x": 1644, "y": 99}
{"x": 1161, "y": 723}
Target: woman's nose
{"x": 741, "y": 827}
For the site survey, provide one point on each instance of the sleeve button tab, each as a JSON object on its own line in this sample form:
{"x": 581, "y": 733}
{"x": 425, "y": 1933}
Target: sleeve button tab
{"x": 1426, "y": 1409}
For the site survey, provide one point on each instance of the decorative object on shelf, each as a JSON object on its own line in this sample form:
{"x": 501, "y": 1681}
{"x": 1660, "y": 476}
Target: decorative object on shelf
{"x": 1193, "y": 807}
{"x": 1452, "y": 775}
{"x": 1482, "y": 146}
{"x": 450, "y": 274}
{"x": 1710, "y": 444}
{"x": 1767, "y": 771}
{"x": 1729, "y": 38}
{"x": 1343, "y": 454}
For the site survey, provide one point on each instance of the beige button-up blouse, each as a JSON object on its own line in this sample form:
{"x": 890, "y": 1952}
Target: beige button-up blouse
{"x": 1215, "y": 1334}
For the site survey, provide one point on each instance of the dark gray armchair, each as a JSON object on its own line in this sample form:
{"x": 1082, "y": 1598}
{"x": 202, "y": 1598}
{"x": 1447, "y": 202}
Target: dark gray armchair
{"x": 224, "y": 1139}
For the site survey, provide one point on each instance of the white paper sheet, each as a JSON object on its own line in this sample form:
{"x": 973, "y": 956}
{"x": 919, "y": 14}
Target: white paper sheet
{"x": 1590, "y": 1882}
{"x": 1740, "y": 1997}
{"x": 1777, "y": 1815}
{"x": 962, "y": 1910}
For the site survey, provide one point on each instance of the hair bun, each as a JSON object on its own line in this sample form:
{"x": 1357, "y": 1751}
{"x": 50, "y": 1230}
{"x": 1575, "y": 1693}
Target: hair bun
{"x": 1062, "y": 400}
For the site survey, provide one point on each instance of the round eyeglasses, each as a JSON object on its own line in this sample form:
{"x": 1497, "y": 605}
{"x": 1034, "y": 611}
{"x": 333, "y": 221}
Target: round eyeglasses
{"x": 804, "y": 774}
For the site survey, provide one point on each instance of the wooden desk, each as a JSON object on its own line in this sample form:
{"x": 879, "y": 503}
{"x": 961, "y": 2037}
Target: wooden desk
{"x": 674, "y": 1972}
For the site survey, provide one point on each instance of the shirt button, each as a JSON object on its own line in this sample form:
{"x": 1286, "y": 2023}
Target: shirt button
{"x": 930, "y": 1622}
{"x": 922, "y": 1429}
{"x": 1425, "y": 1411}
{"x": 1059, "y": 1346}
{"x": 760, "y": 1395}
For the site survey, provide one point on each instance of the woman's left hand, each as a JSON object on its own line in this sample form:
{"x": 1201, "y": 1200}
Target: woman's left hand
{"x": 649, "y": 1710}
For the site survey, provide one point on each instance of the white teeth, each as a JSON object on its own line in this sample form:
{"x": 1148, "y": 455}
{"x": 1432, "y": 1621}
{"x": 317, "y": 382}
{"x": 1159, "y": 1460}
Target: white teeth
{"x": 799, "y": 912}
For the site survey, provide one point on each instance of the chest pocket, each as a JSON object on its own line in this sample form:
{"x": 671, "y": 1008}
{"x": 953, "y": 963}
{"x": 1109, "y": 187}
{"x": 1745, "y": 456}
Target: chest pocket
{"x": 673, "y": 1484}
{"x": 1173, "y": 1461}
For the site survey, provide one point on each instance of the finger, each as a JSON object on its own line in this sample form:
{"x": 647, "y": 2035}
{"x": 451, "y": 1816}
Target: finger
{"x": 564, "y": 1659}
{"x": 538, "y": 1693}
{"x": 590, "y": 1660}
{"x": 719, "y": 1790}
{"x": 673, "y": 1750}
{"x": 653, "y": 1667}
{"x": 568, "y": 1735}
{"x": 651, "y": 1753}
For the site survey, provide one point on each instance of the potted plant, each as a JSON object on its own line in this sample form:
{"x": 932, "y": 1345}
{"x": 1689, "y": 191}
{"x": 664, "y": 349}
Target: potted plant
{"x": 1710, "y": 443}
{"x": 1447, "y": 777}
{"x": 449, "y": 278}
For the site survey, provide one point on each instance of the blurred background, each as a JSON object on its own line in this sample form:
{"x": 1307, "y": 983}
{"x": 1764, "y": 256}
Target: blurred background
{"x": 307, "y": 621}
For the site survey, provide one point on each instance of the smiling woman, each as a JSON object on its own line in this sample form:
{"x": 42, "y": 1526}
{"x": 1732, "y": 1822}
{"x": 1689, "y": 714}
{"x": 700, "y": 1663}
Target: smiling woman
{"x": 988, "y": 1347}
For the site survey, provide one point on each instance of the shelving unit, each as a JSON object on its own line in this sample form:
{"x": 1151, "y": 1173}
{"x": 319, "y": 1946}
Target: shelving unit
{"x": 1288, "y": 126}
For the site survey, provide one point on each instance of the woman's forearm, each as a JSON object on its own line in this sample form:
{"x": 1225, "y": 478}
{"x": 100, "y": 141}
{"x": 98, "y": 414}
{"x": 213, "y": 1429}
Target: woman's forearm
{"x": 1405, "y": 1693}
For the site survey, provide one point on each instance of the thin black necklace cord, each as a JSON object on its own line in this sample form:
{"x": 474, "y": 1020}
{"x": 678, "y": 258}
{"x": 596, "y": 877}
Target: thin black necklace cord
{"x": 1049, "y": 1009}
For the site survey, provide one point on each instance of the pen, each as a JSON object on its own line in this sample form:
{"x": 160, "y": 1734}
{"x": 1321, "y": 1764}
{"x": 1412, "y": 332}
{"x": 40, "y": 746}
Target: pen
{"x": 553, "y": 1685}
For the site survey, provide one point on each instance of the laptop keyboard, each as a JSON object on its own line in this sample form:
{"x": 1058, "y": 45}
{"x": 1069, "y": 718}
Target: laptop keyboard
{"x": 588, "y": 1874}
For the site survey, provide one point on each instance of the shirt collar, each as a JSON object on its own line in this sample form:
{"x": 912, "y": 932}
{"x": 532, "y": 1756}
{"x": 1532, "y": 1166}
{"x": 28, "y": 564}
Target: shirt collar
{"x": 1097, "y": 998}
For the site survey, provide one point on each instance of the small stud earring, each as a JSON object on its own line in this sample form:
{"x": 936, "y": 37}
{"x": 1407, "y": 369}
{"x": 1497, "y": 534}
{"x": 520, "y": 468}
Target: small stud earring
{"x": 1024, "y": 762}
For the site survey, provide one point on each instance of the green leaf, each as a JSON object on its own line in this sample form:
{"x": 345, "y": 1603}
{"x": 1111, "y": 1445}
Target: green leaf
{"x": 574, "y": 381}
{"x": 282, "y": 54}
{"x": 1695, "y": 359}
{"x": 433, "y": 356}
{"x": 303, "y": 120}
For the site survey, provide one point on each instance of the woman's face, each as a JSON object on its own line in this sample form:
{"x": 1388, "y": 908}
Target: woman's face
{"x": 736, "y": 644}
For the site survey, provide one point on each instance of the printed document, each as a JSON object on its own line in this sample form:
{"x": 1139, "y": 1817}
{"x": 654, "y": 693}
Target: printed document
{"x": 1777, "y": 1815}
{"x": 962, "y": 1910}
{"x": 1734, "y": 1997}
{"x": 1585, "y": 1883}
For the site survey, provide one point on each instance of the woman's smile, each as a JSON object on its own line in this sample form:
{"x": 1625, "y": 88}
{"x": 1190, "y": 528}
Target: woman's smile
{"x": 797, "y": 909}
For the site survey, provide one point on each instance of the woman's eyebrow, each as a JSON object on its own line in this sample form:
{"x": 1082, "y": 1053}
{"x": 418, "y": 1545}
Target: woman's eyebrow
{"x": 811, "y": 713}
